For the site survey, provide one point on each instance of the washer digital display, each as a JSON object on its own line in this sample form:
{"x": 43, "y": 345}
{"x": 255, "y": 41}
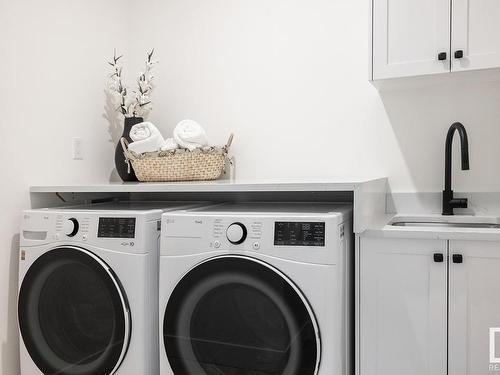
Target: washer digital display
{"x": 116, "y": 227}
{"x": 288, "y": 233}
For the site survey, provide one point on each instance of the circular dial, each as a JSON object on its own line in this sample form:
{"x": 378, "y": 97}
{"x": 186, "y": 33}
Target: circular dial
{"x": 71, "y": 227}
{"x": 236, "y": 233}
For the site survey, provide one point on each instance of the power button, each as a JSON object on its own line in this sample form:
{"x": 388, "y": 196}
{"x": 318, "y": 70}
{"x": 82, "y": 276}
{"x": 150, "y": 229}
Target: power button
{"x": 256, "y": 246}
{"x": 216, "y": 244}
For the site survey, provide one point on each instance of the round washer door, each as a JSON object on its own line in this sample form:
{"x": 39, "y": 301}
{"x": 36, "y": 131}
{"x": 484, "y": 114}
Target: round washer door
{"x": 73, "y": 314}
{"x": 236, "y": 315}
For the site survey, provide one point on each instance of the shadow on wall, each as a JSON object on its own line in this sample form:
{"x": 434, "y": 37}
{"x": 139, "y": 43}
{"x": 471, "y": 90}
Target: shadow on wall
{"x": 10, "y": 348}
{"x": 115, "y": 127}
{"x": 420, "y": 119}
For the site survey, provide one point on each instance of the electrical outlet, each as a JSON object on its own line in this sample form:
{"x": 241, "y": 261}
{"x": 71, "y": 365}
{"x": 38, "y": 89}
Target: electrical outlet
{"x": 77, "y": 149}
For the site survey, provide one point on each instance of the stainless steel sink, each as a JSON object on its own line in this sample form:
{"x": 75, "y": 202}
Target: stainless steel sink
{"x": 441, "y": 224}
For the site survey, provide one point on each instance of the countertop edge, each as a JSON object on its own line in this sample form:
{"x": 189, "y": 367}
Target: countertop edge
{"x": 215, "y": 186}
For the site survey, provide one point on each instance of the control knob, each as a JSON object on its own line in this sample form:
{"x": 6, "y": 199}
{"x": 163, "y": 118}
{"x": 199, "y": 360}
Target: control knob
{"x": 236, "y": 233}
{"x": 70, "y": 227}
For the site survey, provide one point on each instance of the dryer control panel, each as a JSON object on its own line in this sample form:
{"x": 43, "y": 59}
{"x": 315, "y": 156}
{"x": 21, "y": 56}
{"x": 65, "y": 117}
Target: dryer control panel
{"x": 314, "y": 238}
{"x": 299, "y": 233}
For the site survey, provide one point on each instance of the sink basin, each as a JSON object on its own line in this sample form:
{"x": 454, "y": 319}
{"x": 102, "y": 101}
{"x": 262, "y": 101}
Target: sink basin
{"x": 442, "y": 224}
{"x": 440, "y": 221}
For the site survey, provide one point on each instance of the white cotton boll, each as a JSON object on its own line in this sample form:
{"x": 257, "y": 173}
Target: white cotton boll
{"x": 129, "y": 102}
{"x": 131, "y": 109}
{"x": 144, "y": 99}
{"x": 145, "y": 86}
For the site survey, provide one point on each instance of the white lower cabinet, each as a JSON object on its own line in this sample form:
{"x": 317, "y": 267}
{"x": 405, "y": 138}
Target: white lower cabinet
{"x": 427, "y": 307}
{"x": 474, "y": 295}
{"x": 402, "y": 307}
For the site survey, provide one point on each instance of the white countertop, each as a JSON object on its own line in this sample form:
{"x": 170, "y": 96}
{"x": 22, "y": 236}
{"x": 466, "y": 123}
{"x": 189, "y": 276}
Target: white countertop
{"x": 369, "y": 194}
{"x": 337, "y": 184}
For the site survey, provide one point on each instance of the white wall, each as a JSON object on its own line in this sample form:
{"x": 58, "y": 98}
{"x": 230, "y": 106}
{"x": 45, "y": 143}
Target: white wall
{"x": 288, "y": 77}
{"x": 53, "y": 67}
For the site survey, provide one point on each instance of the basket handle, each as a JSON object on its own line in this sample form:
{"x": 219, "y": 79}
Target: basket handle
{"x": 126, "y": 152}
{"x": 124, "y": 143}
{"x": 229, "y": 142}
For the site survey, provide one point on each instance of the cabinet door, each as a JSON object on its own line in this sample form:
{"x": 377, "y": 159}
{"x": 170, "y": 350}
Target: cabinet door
{"x": 476, "y": 32}
{"x": 474, "y": 307}
{"x": 403, "y": 298}
{"x": 408, "y": 36}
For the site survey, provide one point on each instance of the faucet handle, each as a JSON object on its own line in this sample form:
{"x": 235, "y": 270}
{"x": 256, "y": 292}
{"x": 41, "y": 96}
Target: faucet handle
{"x": 459, "y": 202}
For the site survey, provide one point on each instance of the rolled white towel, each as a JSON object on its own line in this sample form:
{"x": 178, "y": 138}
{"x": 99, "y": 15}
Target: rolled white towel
{"x": 146, "y": 137}
{"x": 169, "y": 145}
{"x": 189, "y": 134}
{"x": 140, "y": 131}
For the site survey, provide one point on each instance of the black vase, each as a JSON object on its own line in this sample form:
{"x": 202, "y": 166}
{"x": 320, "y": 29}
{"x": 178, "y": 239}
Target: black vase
{"x": 120, "y": 163}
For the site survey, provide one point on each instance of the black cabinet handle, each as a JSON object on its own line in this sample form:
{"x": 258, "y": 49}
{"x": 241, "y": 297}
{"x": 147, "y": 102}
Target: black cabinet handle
{"x": 458, "y": 258}
{"x": 459, "y": 54}
{"x": 442, "y": 56}
{"x": 438, "y": 258}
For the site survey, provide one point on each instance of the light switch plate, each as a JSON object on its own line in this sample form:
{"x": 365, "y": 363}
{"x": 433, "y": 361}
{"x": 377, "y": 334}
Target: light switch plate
{"x": 77, "y": 149}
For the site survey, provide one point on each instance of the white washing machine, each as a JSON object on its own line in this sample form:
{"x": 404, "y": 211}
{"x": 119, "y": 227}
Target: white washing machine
{"x": 257, "y": 289}
{"x": 88, "y": 289}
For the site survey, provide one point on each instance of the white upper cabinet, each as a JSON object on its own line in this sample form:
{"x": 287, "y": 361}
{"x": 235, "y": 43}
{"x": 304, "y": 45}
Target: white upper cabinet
{"x": 474, "y": 272}
{"x": 475, "y": 34}
{"x": 409, "y": 36}
{"x": 403, "y": 307}
{"x": 425, "y": 37}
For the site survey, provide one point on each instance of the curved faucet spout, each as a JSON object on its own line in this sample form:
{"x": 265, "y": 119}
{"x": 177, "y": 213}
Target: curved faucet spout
{"x": 449, "y": 203}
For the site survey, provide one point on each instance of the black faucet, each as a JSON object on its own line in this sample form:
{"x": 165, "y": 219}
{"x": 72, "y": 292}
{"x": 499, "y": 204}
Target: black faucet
{"x": 450, "y": 203}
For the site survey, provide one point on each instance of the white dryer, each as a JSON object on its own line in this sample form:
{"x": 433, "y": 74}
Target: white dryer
{"x": 88, "y": 289}
{"x": 257, "y": 289}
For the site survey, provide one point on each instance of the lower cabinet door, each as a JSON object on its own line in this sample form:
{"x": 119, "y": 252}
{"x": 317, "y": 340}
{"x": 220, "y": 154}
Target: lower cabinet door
{"x": 474, "y": 308}
{"x": 403, "y": 307}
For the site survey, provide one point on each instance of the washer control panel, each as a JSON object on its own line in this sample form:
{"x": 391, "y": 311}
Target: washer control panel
{"x": 71, "y": 227}
{"x": 116, "y": 227}
{"x": 121, "y": 231}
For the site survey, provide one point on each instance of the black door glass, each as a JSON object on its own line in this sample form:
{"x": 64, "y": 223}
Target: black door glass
{"x": 235, "y": 316}
{"x": 71, "y": 315}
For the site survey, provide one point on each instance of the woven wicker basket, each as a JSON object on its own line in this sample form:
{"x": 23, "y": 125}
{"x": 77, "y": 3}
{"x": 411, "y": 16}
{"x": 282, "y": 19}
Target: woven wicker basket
{"x": 178, "y": 165}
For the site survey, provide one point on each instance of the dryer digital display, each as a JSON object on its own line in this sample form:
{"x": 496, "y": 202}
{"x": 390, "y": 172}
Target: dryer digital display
{"x": 116, "y": 227}
{"x": 287, "y": 233}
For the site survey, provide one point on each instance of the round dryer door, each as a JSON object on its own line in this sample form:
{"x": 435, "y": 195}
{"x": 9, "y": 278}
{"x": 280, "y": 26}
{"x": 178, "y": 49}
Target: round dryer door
{"x": 73, "y": 314}
{"x": 236, "y": 315}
